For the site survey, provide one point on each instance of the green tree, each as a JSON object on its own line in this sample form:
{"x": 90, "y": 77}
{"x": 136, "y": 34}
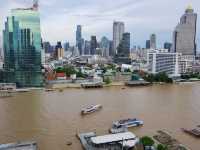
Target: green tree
{"x": 60, "y": 70}
{"x": 161, "y": 147}
{"x": 147, "y": 141}
{"x": 69, "y": 70}
{"x": 107, "y": 80}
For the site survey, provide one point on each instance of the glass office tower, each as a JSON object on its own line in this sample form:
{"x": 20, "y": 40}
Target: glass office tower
{"x": 22, "y": 48}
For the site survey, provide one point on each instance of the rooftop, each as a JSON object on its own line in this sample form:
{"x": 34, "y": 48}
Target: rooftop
{"x": 113, "y": 138}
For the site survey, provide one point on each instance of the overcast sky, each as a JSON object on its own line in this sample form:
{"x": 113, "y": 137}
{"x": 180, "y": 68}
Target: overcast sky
{"x": 142, "y": 17}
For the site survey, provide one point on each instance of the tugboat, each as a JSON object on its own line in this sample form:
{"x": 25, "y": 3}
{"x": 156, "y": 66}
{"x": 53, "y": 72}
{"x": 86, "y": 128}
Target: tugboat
{"x": 91, "y": 109}
{"x": 128, "y": 123}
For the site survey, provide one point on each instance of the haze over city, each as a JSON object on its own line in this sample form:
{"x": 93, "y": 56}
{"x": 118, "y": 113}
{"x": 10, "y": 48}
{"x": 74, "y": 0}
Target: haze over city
{"x": 141, "y": 17}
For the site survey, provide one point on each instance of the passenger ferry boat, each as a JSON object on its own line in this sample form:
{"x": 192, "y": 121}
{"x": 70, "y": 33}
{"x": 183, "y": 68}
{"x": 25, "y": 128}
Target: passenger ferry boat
{"x": 128, "y": 123}
{"x": 91, "y": 109}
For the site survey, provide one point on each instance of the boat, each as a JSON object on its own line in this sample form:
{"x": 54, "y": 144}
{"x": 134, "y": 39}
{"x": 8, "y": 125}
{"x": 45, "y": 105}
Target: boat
{"x": 193, "y": 132}
{"x": 128, "y": 123}
{"x": 91, "y": 109}
{"x": 115, "y": 130}
{"x": 49, "y": 90}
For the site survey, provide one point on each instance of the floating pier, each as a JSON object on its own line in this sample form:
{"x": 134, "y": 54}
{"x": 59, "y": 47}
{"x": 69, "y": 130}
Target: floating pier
{"x": 118, "y": 141}
{"x": 19, "y": 146}
{"x": 137, "y": 83}
{"x": 92, "y": 85}
{"x": 6, "y": 93}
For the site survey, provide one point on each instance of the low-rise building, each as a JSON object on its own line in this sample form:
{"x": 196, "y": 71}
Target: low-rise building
{"x": 159, "y": 62}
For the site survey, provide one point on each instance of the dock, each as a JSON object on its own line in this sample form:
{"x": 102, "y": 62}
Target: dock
{"x": 6, "y": 93}
{"x": 164, "y": 138}
{"x": 90, "y": 141}
{"x": 92, "y": 85}
{"x": 19, "y": 146}
{"x": 194, "y": 132}
{"x": 137, "y": 83}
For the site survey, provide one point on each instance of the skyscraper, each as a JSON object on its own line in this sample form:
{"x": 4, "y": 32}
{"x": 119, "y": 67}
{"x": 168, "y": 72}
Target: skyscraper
{"x": 123, "y": 50}
{"x": 79, "y": 38}
{"x": 118, "y": 31}
{"x": 124, "y": 46}
{"x": 184, "y": 36}
{"x": 59, "y": 51}
{"x": 93, "y": 45}
{"x": 148, "y": 46}
{"x": 22, "y": 48}
{"x": 153, "y": 41}
{"x": 87, "y": 48}
{"x": 105, "y": 45}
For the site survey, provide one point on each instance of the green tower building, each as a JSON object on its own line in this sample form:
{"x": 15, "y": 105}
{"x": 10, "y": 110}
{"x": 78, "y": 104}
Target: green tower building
{"x": 22, "y": 48}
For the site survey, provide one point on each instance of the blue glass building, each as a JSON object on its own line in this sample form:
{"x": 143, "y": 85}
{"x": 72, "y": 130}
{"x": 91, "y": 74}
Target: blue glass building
{"x": 22, "y": 48}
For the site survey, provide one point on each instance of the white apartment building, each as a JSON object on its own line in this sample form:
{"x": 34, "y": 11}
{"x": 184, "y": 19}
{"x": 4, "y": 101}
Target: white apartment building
{"x": 159, "y": 62}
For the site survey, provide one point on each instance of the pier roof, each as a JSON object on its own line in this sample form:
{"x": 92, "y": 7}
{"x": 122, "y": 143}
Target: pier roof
{"x": 113, "y": 138}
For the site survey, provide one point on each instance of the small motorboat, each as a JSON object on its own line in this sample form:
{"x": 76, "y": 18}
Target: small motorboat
{"x": 128, "y": 123}
{"x": 91, "y": 109}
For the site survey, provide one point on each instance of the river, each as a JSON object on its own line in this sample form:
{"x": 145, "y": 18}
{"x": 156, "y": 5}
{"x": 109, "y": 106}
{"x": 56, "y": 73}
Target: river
{"x": 53, "y": 118}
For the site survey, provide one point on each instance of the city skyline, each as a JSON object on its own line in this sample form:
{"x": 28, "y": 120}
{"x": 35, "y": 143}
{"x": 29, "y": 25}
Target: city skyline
{"x": 95, "y": 22}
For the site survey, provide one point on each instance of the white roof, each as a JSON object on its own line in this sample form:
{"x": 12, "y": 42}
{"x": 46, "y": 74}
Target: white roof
{"x": 113, "y": 138}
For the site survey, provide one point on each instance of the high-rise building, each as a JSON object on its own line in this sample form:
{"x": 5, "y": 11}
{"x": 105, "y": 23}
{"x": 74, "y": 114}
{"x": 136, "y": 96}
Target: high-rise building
{"x": 123, "y": 50}
{"x": 93, "y": 45}
{"x": 148, "y": 46}
{"x": 168, "y": 46}
{"x": 59, "y": 51}
{"x": 22, "y": 47}
{"x": 111, "y": 48}
{"x": 118, "y": 31}
{"x": 124, "y": 46}
{"x": 79, "y": 38}
{"x": 153, "y": 41}
{"x": 87, "y": 48}
{"x": 184, "y": 36}
{"x": 105, "y": 45}
{"x": 47, "y": 47}
{"x": 66, "y": 46}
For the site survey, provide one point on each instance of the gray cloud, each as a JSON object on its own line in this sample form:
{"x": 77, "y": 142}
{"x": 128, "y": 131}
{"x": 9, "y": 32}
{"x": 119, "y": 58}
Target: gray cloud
{"x": 142, "y": 17}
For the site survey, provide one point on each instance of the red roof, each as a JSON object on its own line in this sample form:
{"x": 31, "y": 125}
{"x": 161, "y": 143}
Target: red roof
{"x": 60, "y": 75}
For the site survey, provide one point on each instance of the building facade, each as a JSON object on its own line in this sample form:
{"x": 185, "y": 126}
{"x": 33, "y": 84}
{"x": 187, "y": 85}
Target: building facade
{"x": 184, "y": 36}
{"x": 159, "y": 62}
{"x": 118, "y": 31}
{"x": 22, "y": 48}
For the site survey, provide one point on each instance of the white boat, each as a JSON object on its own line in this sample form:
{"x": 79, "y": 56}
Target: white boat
{"x": 128, "y": 123}
{"x": 91, "y": 109}
{"x": 115, "y": 130}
